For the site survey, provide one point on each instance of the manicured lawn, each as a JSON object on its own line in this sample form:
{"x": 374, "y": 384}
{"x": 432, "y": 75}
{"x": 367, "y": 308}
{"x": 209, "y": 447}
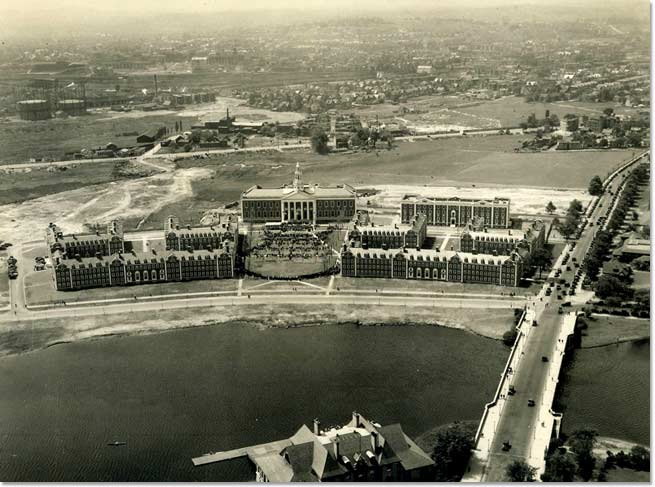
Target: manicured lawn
{"x": 286, "y": 268}
{"x": 371, "y": 284}
{"x": 40, "y": 289}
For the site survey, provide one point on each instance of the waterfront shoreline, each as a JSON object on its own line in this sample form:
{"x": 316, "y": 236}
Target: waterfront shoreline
{"x": 41, "y": 334}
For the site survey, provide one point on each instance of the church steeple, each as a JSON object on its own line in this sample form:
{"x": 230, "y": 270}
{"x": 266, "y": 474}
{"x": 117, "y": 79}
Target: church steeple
{"x": 297, "y": 177}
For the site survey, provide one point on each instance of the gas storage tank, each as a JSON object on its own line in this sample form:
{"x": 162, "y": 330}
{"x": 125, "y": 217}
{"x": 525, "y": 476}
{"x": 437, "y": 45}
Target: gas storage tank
{"x": 34, "y": 110}
{"x": 72, "y": 107}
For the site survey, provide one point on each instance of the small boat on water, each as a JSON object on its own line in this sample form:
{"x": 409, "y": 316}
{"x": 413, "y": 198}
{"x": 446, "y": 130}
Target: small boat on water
{"x": 117, "y": 443}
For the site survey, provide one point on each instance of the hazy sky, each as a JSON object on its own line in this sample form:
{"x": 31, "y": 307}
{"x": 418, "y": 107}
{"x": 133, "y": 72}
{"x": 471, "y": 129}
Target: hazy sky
{"x": 22, "y": 16}
{"x": 90, "y": 6}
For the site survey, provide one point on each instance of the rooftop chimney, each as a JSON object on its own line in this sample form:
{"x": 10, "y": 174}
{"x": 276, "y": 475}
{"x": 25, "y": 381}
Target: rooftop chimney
{"x": 317, "y": 426}
{"x": 356, "y": 419}
{"x": 375, "y": 441}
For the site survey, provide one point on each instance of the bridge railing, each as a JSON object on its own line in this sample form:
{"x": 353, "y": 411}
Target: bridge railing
{"x": 510, "y": 366}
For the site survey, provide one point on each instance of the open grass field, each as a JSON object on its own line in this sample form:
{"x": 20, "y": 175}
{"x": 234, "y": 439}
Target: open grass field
{"x": 31, "y": 183}
{"x": 22, "y": 140}
{"x": 456, "y": 111}
{"x": 483, "y": 161}
{"x": 512, "y": 110}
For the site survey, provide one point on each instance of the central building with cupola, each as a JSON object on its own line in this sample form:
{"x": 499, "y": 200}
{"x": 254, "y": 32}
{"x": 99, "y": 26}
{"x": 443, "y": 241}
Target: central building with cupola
{"x": 299, "y": 203}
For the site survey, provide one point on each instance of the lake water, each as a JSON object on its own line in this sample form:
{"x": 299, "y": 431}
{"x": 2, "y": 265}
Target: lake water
{"x": 608, "y": 389}
{"x": 181, "y": 394}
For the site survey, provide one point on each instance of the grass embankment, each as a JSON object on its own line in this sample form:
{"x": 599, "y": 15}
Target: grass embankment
{"x": 607, "y": 330}
{"x": 39, "y": 289}
{"x": 26, "y": 336}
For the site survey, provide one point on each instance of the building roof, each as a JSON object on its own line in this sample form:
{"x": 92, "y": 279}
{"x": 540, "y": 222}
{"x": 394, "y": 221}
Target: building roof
{"x": 54, "y": 234}
{"x": 308, "y": 191}
{"x": 135, "y": 257}
{"x": 432, "y": 255}
{"x": 217, "y": 230}
{"x": 313, "y": 457}
{"x": 299, "y": 190}
{"x": 435, "y": 199}
{"x": 416, "y": 222}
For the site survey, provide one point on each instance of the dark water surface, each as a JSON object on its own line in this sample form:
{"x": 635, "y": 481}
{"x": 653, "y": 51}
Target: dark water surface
{"x": 608, "y": 389}
{"x": 177, "y": 395}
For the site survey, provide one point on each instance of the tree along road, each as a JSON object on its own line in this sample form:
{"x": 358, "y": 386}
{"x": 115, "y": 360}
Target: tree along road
{"x": 518, "y": 421}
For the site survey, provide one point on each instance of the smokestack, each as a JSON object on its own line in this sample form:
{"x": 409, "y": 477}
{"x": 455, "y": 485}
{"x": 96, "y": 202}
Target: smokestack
{"x": 317, "y": 426}
{"x": 156, "y": 88}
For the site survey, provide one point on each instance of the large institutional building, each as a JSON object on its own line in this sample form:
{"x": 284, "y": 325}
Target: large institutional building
{"x": 298, "y": 203}
{"x": 101, "y": 260}
{"x": 391, "y": 236}
{"x": 525, "y": 242}
{"x": 457, "y": 211}
{"x": 361, "y": 451}
{"x": 426, "y": 264}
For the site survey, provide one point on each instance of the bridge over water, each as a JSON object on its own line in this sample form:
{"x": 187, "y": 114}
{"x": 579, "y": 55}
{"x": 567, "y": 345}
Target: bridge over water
{"x": 534, "y": 365}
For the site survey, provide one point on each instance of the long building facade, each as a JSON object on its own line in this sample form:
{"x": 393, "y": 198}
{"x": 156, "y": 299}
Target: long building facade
{"x": 103, "y": 260}
{"x": 450, "y": 266}
{"x": 391, "y": 236}
{"x": 457, "y": 212}
{"x": 137, "y": 268}
{"x": 299, "y": 202}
